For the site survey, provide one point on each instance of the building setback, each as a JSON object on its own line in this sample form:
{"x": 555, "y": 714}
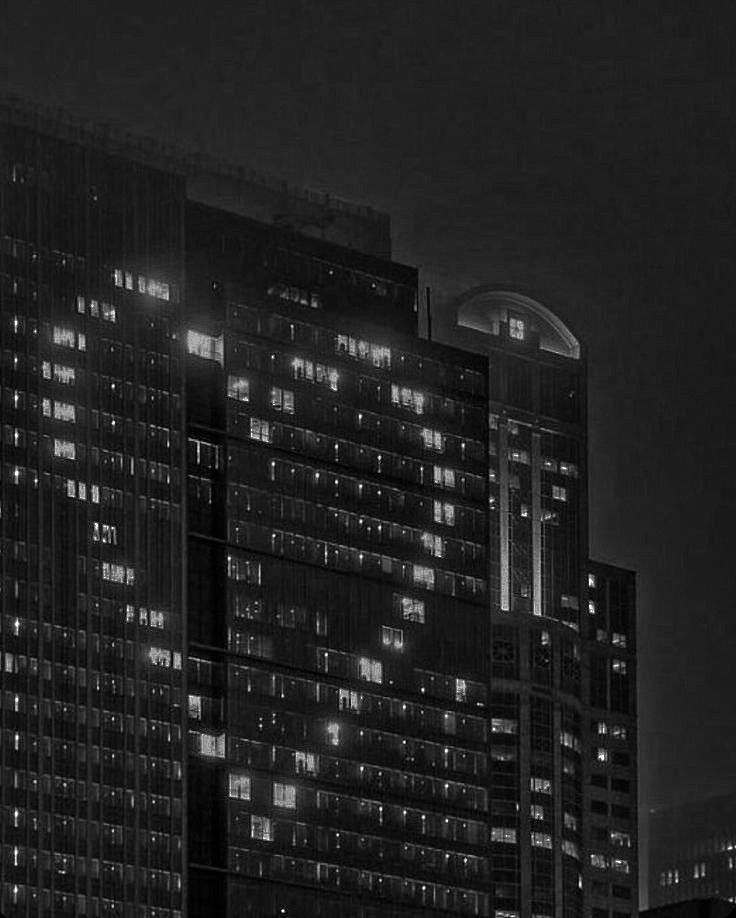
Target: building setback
{"x": 692, "y": 851}
{"x": 297, "y": 614}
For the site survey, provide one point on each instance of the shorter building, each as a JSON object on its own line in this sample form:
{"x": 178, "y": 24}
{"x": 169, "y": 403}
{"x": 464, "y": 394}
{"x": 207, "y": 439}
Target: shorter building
{"x": 694, "y": 908}
{"x": 692, "y": 851}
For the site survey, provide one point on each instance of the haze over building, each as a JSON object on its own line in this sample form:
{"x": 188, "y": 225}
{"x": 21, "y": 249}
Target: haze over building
{"x": 297, "y": 611}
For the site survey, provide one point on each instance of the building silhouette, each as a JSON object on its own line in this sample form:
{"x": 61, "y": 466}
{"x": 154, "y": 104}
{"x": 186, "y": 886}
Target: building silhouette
{"x": 692, "y": 851}
{"x": 297, "y": 612}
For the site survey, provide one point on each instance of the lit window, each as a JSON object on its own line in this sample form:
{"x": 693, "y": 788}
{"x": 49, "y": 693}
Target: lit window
{"x": 519, "y": 455}
{"x": 503, "y": 835}
{"x": 618, "y": 639}
{"x": 105, "y": 533}
{"x": 602, "y": 728}
{"x": 541, "y": 786}
{"x": 392, "y": 637}
{"x": 238, "y": 387}
{"x": 370, "y": 670}
{"x": 210, "y": 744}
{"x": 559, "y": 493}
{"x": 305, "y": 763}
{"x": 622, "y": 866}
{"x": 618, "y": 666}
{"x": 282, "y": 400}
{"x": 433, "y": 439}
{"x": 261, "y": 828}
{"x": 284, "y": 795}
{"x": 504, "y": 725}
{"x": 434, "y": 544}
{"x": 569, "y": 740}
{"x": 63, "y": 411}
{"x": 568, "y": 469}
{"x": 65, "y": 449}
{"x": 618, "y": 731}
{"x": 591, "y": 581}
{"x": 128, "y": 280}
{"x": 118, "y": 277}
{"x": 260, "y": 430}
{"x": 517, "y": 328}
{"x": 601, "y": 755}
{"x": 571, "y": 822}
{"x": 65, "y": 337}
{"x": 238, "y": 786}
{"x": 108, "y": 312}
{"x": 600, "y": 861}
{"x": 347, "y": 700}
{"x": 591, "y": 607}
{"x": 408, "y": 398}
{"x": 570, "y": 848}
{"x": 159, "y": 656}
{"x": 444, "y": 513}
{"x": 541, "y": 840}
{"x": 62, "y": 374}
{"x": 333, "y": 734}
{"x": 621, "y": 839}
{"x": 207, "y": 346}
{"x": 412, "y": 610}
{"x": 444, "y": 477}
{"x": 80, "y": 305}
{"x": 194, "y": 707}
{"x": 461, "y": 690}
{"x": 537, "y": 812}
{"x": 423, "y": 576}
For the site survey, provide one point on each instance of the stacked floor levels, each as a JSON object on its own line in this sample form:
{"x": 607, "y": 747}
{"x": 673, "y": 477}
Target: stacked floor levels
{"x": 297, "y": 617}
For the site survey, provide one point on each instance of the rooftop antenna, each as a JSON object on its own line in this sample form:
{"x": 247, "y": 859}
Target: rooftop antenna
{"x": 429, "y": 313}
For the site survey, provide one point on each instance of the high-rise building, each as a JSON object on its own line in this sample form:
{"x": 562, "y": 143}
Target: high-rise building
{"x": 692, "y": 851}
{"x": 297, "y": 614}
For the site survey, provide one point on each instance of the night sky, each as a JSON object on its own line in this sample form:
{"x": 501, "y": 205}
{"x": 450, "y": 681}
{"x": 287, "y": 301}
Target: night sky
{"x": 581, "y": 150}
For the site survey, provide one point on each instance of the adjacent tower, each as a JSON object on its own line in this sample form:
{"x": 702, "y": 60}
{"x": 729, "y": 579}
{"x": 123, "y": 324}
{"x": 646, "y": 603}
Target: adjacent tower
{"x": 296, "y": 612}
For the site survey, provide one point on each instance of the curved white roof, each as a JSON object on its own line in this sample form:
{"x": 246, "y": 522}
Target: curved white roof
{"x": 484, "y": 308}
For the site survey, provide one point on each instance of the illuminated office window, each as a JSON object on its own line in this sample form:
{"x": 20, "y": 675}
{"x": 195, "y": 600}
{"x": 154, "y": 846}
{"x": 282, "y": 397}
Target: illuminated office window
{"x": 260, "y": 430}
{"x": 537, "y": 812}
{"x": 305, "y": 763}
{"x": 65, "y": 449}
{"x": 444, "y": 513}
{"x": 541, "y": 840}
{"x": 444, "y": 477}
{"x": 517, "y": 328}
{"x": 541, "y": 785}
{"x": 423, "y": 576}
{"x": 261, "y": 828}
{"x": 238, "y": 786}
{"x": 282, "y": 400}
{"x": 63, "y": 411}
{"x": 207, "y": 346}
{"x": 370, "y": 670}
{"x": 619, "y": 667}
{"x": 284, "y": 795}
{"x": 238, "y": 387}
{"x": 559, "y": 493}
{"x": 433, "y": 439}
{"x": 503, "y": 835}
{"x": 392, "y": 637}
{"x": 412, "y": 610}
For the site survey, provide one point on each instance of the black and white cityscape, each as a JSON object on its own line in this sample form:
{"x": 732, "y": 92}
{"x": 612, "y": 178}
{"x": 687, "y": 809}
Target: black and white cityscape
{"x": 329, "y": 582}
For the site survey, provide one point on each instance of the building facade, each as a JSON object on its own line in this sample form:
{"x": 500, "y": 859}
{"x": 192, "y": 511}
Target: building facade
{"x": 692, "y": 851}
{"x": 297, "y": 614}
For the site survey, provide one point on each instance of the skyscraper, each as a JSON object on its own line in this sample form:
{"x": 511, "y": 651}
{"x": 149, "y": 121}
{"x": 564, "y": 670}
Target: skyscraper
{"x": 297, "y": 616}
